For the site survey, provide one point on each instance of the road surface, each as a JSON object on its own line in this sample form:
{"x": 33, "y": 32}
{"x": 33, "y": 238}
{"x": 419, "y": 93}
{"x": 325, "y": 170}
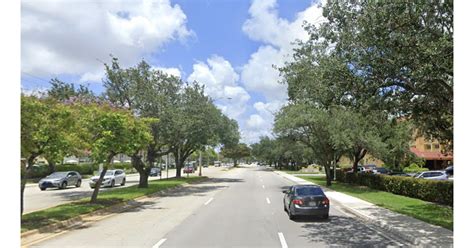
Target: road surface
{"x": 35, "y": 199}
{"x": 239, "y": 208}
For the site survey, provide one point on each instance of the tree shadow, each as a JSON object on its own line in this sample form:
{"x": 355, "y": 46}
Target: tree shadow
{"x": 342, "y": 231}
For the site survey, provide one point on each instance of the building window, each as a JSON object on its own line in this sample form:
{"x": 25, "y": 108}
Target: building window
{"x": 436, "y": 146}
{"x": 428, "y": 147}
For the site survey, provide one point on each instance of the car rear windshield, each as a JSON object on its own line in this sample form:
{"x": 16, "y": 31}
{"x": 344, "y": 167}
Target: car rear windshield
{"x": 309, "y": 191}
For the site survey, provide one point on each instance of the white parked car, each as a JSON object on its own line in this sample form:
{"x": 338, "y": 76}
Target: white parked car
{"x": 432, "y": 175}
{"x": 111, "y": 178}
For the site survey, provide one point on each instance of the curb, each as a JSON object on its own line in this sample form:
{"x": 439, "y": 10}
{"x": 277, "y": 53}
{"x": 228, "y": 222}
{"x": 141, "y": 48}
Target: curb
{"x": 105, "y": 212}
{"x": 413, "y": 240}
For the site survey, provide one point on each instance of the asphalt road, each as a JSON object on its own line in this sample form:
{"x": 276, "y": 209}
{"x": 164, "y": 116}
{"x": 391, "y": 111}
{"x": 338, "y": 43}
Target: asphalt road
{"x": 239, "y": 208}
{"x": 35, "y": 199}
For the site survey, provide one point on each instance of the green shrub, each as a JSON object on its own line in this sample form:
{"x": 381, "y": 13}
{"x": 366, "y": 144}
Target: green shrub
{"x": 414, "y": 168}
{"x": 428, "y": 190}
{"x": 83, "y": 169}
{"x": 39, "y": 171}
{"x": 123, "y": 166}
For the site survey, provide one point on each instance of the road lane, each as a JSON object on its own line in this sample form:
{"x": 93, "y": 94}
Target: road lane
{"x": 35, "y": 199}
{"x": 248, "y": 215}
{"x": 237, "y": 214}
{"x": 146, "y": 225}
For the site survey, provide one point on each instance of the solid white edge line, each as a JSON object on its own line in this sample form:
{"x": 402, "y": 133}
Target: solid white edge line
{"x": 157, "y": 245}
{"x": 268, "y": 200}
{"x": 282, "y": 240}
{"x": 209, "y": 201}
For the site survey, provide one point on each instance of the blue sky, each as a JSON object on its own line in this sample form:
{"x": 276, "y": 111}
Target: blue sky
{"x": 227, "y": 45}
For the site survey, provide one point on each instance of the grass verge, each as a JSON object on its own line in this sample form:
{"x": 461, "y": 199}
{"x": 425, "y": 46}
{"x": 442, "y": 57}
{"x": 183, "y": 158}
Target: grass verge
{"x": 432, "y": 213}
{"x": 108, "y": 198}
{"x": 300, "y": 172}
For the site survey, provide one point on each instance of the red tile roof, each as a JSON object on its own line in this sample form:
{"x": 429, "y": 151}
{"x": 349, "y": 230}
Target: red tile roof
{"x": 428, "y": 155}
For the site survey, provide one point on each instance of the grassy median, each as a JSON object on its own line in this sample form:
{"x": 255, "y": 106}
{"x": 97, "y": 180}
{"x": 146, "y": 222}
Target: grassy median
{"x": 108, "y": 198}
{"x": 426, "y": 211}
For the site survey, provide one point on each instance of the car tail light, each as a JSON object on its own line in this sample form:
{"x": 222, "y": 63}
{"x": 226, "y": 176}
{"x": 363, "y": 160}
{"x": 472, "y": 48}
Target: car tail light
{"x": 326, "y": 201}
{"x": 298, "y": 202}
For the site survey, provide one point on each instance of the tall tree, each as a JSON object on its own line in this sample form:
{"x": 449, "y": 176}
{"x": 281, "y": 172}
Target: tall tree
{"x": 47, "y": 128}
{"x": 313, "y": 127}
{"x": 110, "y": 132}
{"x": 402, "y": 53}
{"x": 236, "y": 152}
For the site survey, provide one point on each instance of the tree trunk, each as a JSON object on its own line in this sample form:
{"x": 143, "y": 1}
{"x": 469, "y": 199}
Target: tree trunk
{"x": 358, "y": 156}
{"x": 51, "y": 166}
{"x": 24, "y": 173}
{"x": 143, "y": 183}
{"x": 179, "y": 165}
{"x": 235, "y": 162}
{"x": 144, "y": 172}
{"x": 101, "y": 178}
{"x": 327, "y": 169}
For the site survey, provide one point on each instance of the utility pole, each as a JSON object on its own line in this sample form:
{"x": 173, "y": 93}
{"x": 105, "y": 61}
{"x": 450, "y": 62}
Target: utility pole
{"x": 200, "y": 164}
{"x": 167, "y": 162}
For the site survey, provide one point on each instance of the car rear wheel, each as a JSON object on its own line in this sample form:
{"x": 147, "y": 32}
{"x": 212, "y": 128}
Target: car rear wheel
{"x": 43, "y": 189}
{"x": 112, "y": 184}
{"x": 291, "y": 215}
{"x": 63, "y": 185}
{"x": 78, "y": 184}
{"x": 123, "y": 182}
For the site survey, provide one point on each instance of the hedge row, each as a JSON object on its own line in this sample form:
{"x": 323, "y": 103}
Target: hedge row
{"x": 83, "y": 169}
{"x": 439, "y": 191}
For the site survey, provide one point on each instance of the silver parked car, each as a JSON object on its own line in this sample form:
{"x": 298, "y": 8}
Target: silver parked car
{"x": 61, "y": 180}
{"x": 432, "y": 175}
{"x": 111, "y": 178}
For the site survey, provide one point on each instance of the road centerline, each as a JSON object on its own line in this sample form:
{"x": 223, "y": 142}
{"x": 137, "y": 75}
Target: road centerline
{"x": 209, "y": 201}
{"x": 282, "y": 240}
{"x": 157, "y": 245}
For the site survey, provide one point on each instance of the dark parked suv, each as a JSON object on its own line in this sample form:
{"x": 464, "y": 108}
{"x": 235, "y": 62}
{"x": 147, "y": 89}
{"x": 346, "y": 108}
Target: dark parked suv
{"x": 308, "y": 200}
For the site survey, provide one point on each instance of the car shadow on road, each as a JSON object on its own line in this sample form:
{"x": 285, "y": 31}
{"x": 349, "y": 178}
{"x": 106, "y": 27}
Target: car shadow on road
{"x": 343, "y": 232}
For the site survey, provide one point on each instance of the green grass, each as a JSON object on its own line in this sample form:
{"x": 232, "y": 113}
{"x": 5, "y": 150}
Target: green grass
{"x": 426, "y": 211}
{"x": 62, "y": 212}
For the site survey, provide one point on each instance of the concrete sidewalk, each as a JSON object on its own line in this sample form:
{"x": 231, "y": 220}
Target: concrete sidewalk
{"x": 417, "y": 232}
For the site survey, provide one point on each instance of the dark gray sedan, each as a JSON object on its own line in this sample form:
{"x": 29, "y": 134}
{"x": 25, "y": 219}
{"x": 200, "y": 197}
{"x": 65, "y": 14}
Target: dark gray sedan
{"x": 306, "y": 200}
{"x": 61, "y": 180}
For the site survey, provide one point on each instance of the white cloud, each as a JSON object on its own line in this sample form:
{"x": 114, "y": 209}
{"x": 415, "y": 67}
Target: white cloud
{"x": 72, "y": 37}
{"x": 170, "y": 71}
{"x": 277, "y": 35}
{"x": 220, "y": 81}
{"x": 258, "y": 74}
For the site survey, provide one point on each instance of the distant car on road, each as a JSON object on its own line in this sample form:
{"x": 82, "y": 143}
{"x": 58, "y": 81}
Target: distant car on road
{"x": 188, "y": 169}
{"x": 155, "y": 172}
{"x": 61, "y": 180}
{"x": 306, "y": 200}
{"x": 432, "y": 175}
{"x": 111, "y": 178}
